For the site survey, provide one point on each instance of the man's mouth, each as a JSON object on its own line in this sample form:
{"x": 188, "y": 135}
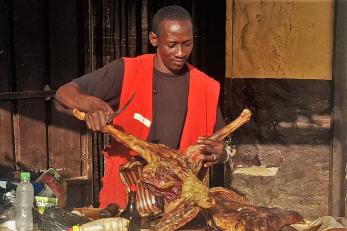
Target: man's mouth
{"x": 179, "y": 62}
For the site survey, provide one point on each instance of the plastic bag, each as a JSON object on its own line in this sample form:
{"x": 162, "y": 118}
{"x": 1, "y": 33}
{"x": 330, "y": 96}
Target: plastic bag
{"x": 57, "y": 219}
{"x": 105, "y": 224}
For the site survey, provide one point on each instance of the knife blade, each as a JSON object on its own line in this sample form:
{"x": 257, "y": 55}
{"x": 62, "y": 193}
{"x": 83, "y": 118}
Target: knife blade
{"x": 111, "y": 116}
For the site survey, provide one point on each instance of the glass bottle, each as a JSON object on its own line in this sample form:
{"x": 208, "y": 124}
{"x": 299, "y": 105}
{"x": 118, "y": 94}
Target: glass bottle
{"x": 131, "y": 212}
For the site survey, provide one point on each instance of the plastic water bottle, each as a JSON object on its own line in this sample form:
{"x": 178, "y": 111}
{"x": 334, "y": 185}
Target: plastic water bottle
{"x": 24, "y": 203}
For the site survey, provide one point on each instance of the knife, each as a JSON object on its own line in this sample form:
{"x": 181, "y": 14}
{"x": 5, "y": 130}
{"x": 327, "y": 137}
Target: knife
{"x": 111, "y": 116}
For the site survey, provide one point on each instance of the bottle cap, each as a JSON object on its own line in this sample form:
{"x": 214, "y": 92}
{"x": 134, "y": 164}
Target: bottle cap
{"x": 133, "y": 188}
{"x": 25, "y": 175}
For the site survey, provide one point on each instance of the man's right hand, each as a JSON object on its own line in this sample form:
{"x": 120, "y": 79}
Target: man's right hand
{"x": 97, "y": 116}
{"x": 97, "y": 111}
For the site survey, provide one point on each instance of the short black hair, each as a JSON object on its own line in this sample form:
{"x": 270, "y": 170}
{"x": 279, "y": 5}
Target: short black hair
{"x": 173, "y": 12}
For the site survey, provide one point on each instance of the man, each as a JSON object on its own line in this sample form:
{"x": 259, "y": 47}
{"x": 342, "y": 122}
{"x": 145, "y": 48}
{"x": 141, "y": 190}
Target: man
{"x": 175, "y": 104}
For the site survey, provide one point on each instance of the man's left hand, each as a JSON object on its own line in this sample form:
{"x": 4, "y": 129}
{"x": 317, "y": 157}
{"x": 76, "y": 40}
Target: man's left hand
{"x": 213, "y": 151}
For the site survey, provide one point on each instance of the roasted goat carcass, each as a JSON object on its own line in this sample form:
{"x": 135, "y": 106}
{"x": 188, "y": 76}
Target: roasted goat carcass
{"x": 179, "y": 179}
{"x": 232, "y": 212}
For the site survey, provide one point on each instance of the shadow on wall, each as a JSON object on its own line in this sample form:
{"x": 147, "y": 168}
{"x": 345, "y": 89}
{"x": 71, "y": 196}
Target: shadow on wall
{"x": 284, "y": 111}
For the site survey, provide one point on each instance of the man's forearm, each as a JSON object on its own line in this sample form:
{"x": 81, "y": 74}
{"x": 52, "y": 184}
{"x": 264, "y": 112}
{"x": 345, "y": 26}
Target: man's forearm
{"x": 70, "y": 96}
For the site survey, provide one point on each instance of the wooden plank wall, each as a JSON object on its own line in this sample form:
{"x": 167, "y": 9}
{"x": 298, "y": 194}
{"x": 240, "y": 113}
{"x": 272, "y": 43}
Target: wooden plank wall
{"x": 65, "y": 137}
{"x": 6, "y": 131}
{"x": 30, "y": 70}
{"x": 43, "y": 46}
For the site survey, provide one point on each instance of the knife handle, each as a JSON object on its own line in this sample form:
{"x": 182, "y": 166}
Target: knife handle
{"x": 78, "y": 114}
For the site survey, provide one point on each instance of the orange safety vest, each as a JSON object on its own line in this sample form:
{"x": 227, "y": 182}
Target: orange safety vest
{"x": 137, "y": 118}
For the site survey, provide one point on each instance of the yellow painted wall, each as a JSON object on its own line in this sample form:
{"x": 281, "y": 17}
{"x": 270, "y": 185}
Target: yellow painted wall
{"x": 279, "y": 39}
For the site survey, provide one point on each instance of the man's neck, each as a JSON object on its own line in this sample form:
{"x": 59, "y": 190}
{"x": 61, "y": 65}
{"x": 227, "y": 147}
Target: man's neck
{"x": 159, "y": 66}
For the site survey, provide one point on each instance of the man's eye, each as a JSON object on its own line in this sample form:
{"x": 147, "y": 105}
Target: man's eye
{"x": 171, "y": 45}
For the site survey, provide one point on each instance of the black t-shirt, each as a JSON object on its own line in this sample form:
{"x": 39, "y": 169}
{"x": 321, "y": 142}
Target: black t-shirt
{"x": 170, "y": 97}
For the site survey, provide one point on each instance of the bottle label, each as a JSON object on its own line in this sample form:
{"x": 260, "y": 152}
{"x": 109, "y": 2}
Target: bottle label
{"x": 42, "y": 203}
{"x": 25, "y": 212}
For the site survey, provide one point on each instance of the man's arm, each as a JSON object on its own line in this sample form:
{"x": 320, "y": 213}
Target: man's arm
{"x": 96, "y": 109}
{"x": 90, "y": 93}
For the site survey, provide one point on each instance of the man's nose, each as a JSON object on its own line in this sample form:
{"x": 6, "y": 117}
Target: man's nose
{"x": 180, "y": 51}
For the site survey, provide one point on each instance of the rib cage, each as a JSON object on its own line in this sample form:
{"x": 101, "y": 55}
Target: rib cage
{"x": 147, "y": 203}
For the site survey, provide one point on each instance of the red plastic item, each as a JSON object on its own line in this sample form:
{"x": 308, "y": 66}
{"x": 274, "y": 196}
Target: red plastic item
{"x": 133, "y": 188}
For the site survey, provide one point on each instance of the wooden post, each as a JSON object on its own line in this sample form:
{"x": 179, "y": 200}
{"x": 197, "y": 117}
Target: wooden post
{"x": 228, "y": 38}
{"x": 338, "y": 163}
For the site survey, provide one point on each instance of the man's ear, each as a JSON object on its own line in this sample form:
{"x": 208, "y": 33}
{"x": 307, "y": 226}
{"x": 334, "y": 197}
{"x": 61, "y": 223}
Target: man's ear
{"x": 153, "y": 39}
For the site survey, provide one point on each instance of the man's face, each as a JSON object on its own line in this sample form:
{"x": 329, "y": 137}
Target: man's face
{"x": 174, "y": 45}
